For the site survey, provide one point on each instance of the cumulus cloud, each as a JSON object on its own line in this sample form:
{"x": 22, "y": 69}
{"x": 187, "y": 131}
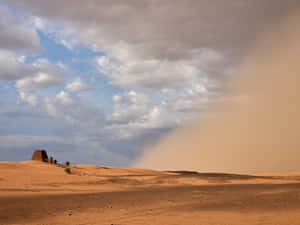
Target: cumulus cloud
{"x": 167, "y": 57}
{"x": 44, "y": 75}
{"x": 56, "y": 32}
{"x": 136, "y": 113}
{"x": 76, "y": 110}
{"x": 130, "y": 106}
{"x": 77, "y": 85}
{"x": 145, "y": 48}
{"x": 64, "y": 98}
{"x": 131, "y": 71}
{"x": 117, "y": 98}
{"x": 40, "y": 80}
{"x": 13, "y": 67}
{"x": 202, "y": 23}
{"x": 29, "y": 97}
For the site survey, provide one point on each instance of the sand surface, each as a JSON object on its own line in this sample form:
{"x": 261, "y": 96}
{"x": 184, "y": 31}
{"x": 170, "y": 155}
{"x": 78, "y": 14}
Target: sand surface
{"x": 38, "y": 193}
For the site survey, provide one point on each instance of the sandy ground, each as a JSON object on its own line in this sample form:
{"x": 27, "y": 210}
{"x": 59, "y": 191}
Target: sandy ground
{"x": 38, "y": 193}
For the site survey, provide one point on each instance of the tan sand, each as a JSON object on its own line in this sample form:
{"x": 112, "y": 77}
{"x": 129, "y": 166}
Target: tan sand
{"x": 42, "y": 194}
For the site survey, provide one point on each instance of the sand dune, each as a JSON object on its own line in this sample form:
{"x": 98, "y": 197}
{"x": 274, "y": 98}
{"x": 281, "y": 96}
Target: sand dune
{"x": 39, "y": 193}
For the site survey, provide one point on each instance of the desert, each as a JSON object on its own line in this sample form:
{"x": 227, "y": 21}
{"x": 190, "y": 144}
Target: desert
{"x": 38, "y": 193}
{"x": 149, "y": 112}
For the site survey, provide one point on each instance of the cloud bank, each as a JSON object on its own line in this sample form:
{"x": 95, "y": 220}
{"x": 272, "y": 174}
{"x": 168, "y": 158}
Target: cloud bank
{"x": 15, "y": 35}
{"x": 119, "y": 74}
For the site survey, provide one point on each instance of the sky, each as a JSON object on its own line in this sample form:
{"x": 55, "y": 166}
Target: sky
{"x": 95, "y": 83}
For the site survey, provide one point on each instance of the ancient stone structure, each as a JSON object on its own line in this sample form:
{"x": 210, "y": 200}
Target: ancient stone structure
{"x": 40, "y": 155}
{"x": 50, "y": 160}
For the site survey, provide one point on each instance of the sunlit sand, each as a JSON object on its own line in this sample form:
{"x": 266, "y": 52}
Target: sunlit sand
{"x": 38, "y": 193}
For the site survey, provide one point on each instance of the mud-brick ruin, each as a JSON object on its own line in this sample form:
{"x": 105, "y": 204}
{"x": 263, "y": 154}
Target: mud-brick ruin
{"x": 41, "y": 155}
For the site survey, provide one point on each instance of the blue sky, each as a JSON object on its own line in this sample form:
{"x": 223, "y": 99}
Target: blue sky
{"x": 79, "y": 63}
{"x": 97, "y": 82}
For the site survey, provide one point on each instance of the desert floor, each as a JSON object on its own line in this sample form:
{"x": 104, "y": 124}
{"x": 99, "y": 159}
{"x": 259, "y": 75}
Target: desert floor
{"x": 38, "y": 193}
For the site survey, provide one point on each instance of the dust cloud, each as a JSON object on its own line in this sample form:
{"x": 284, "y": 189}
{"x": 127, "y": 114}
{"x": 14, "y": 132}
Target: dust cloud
{"x": 255, "y": 127}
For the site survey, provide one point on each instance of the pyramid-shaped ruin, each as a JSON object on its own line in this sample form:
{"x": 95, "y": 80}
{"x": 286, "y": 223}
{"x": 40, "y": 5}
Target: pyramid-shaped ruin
{"x": 40, "y": 155}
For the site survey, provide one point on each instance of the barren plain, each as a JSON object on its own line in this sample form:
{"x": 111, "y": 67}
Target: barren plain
{"x": 36, "y": 193}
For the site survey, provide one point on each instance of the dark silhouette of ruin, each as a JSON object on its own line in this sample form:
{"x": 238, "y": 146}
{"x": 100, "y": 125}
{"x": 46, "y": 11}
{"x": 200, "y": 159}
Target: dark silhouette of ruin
{"x": 40, "y": 155}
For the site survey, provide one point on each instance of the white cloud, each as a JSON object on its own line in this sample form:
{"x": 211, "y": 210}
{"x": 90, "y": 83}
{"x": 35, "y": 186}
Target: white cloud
{"x": 64, "y": 98}
{"x": 56, "y": 32}
{"x": 132, "y": 71}
{"x": 62, "y": 66}
{"x": 130, "y": 106}
{"x": 168, "y": 72}
{"x": 148, "y": 32}
{"x": 40, "y": 80}
{"x": 143, "y": 48}
{"x": 41, "y": 75}
{"x": 29, "y": 97}
{"x": 103, "y": 61}
{"x": 78, "y": 85}
{"x": 21, "y": 59}
{"x": 67, "y": 43}
{"x": 170, "y": 69}
{"x": 38, "y": 23}
{"x": 104, "y": 64}
{"x": 136, "y": 113}
{"x": 13, "y": 67}
{"x": 76, "y": 110}
{"x": 29, "y": 86}
{"x": 117, "y": 98}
